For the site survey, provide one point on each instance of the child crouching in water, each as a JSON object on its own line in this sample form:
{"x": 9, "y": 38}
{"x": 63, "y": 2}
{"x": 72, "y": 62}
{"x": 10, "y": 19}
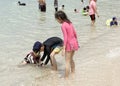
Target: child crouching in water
{"x": 34, "y": 56}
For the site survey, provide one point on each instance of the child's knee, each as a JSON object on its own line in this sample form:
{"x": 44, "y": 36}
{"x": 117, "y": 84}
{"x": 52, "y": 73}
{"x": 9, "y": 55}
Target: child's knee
{"x": 52, "y": 54}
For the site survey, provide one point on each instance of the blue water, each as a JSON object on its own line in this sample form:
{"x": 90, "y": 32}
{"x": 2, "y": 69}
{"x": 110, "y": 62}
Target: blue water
{"x": 21, "y": 26}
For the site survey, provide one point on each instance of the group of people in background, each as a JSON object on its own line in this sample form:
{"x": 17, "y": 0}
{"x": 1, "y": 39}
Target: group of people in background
{"x": 93, "y": 12}
{"x": 42, "y": 5}
{"x": 90, "y": 10}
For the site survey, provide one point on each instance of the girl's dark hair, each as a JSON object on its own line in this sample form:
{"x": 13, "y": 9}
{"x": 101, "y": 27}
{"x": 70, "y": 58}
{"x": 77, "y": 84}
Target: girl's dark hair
{"x": 61, "y": 15}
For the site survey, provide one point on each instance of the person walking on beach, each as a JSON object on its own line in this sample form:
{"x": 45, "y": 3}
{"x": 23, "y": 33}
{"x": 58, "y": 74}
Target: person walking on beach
{"x": 56, "y": 5}
{"x": 93, "y": 11}
{"x": 42, "y": 5}
{"x": 70, "y": 42}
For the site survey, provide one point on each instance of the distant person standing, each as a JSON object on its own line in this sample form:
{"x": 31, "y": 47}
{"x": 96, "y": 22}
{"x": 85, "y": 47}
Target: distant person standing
{"x": 56, "y": 5}
{"x": 93, "y": 11}
{"x": 82, "y": 1}
{"x": 42, "y": 5}
{"x": 63, "y": 7}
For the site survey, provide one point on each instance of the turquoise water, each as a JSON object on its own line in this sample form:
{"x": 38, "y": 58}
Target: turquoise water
{"x": 21, "y": 26}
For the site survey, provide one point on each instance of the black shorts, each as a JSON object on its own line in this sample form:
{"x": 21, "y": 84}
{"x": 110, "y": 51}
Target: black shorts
{"x": 42, "y": 8}
{"x": 92, "y": 17}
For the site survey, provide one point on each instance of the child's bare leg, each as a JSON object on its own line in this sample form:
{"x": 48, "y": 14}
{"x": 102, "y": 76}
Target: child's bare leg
{"x": 53, "y": 61}
{"x": 92, "y": 22}
{"x": 72, "y": 63}
{"x": 72, "y": 68}
{"x": 67, "y": 67}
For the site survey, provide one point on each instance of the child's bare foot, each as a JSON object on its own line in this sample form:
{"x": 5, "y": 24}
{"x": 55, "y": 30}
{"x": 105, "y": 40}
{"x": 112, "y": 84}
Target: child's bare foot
{"x": 66, "y": 78}
{"x": 53, "y": 71}
{"x": 73, "y": 75}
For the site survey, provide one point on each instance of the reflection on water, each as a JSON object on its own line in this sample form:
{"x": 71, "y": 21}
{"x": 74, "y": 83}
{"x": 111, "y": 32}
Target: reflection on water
{"x": 42, "y": 17}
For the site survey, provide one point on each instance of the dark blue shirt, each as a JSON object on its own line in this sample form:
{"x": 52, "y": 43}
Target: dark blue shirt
{"x": 113, "y": 23}
{"x": 49, "y": 46}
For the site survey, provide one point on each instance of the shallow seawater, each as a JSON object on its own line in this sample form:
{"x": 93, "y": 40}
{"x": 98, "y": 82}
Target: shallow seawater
{"x": 97, "y": 60}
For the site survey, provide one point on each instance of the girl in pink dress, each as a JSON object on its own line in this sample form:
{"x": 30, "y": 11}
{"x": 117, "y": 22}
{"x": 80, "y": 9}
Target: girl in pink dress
{"x": 70, "y": 41}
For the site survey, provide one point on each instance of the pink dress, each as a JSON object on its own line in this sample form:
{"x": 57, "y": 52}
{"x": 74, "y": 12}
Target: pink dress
{"x": 70, "y": 37}
{"x": 92, "y": 7}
